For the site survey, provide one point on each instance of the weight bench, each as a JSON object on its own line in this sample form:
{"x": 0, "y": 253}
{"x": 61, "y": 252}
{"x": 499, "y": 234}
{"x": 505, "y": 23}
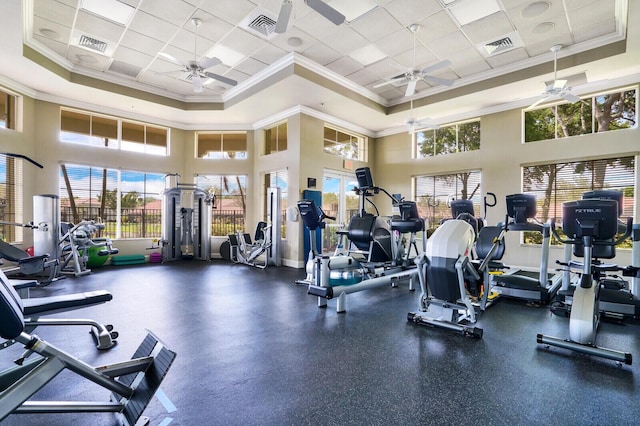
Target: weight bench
{"x": 29, "y": 265}
{"x": 34, "y": 308}
{"x": 137, "y": 379}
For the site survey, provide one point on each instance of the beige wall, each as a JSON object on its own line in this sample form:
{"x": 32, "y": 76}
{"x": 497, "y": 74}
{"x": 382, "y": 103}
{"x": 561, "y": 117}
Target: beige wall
{"x": 500, "y": 158}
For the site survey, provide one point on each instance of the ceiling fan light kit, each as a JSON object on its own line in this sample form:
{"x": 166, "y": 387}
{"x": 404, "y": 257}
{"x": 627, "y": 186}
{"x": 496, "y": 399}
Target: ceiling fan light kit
{"x": 557, "y": 89}
{"x": 415, "y": 75}
{"x": 198, "y": 69}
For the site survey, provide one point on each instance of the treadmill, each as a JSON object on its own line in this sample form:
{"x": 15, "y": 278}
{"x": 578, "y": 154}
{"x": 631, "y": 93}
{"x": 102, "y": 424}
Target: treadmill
{"x": 533, "y": 286}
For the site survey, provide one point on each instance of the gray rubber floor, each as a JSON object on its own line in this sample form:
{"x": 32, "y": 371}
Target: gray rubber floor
{"x": 254, "y": 349}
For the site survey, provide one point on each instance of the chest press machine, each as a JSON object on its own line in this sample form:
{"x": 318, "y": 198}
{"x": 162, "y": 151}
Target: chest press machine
{"x": 132, "y": 383}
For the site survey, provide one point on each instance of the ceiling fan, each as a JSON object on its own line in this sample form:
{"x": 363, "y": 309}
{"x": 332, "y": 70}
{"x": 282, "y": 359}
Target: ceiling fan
{"x": 414, "y": 75}
{"x": 318, "y": 5}
{"x": 557, "y": 88}
{"x": 414, "y": 124}
{"x": 197, "y": 69}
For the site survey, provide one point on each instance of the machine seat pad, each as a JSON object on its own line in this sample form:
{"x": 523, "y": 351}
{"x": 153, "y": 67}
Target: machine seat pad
{"x": 38, "y": 305}
{"x": 407, "y": 225}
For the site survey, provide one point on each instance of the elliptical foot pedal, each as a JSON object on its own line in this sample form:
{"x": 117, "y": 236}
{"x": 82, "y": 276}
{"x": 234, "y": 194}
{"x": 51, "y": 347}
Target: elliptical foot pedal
{"x": 148, "y": 381}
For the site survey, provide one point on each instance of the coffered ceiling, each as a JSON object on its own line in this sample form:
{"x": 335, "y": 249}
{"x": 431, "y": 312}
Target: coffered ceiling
{"x": 497, "y": 55}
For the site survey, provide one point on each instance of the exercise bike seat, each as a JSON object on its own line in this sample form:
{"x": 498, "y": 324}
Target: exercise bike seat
{"x": 51, "y": 304}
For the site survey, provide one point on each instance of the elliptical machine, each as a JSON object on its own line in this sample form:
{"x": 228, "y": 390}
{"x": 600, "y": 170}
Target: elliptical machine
{"x": 591, "y": 226}
{"x": 313, "y": 218}
{"x": 374, "y": 257}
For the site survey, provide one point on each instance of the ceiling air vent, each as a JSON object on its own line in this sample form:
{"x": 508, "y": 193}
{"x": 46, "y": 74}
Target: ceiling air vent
{"x": 92, "y": 43}
{"x": 263, "y": 24}
{"x": 503, "y": 44}
{"x": 498, "y": 45}
{"x": 260, "y": 22}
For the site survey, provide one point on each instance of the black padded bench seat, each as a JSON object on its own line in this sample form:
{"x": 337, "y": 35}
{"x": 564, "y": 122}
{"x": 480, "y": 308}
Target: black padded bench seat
{"x": 77, "y": 300}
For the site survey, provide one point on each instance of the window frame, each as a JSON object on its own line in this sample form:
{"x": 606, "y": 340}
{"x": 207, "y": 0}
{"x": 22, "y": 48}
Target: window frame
{"x": 592, "y": 125}
{"x": 361, "y": 143}
{"x": 112, "y": 136}
{"x": 416, "y": 144}
{"x": 222, "y": 154}
{"x": 274, "y": 143}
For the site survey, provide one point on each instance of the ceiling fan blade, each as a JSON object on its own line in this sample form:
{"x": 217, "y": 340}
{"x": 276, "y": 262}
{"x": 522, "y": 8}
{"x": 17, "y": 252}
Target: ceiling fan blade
{"x": 538, "y": 102}
{"x": 437, "y": 66}
{"x": 569, "y": 97}
{"x": 172, "y": 59}
{"x": 411, "y": 88}
{"x": 221, "y": 78}
{"x": 391, "y": 81}
{"x": 325, "y": 10}
{"x": 283, "y": 16}
{"x": 209, "y": 62}
{"x": 197, "y": 82}
{"x": 438, "y": 80}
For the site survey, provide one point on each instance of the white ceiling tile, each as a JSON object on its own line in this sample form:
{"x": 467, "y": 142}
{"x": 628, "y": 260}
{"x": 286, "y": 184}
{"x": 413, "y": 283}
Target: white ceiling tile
{"x": 242, "y": 41}
{"x": 363, "y": 77}
{"x": 56, "y": 46}
{"x": 345, "y": 66}
{"x": 232, "y": 11}
{"x": 42, "y": 24}
{"x": 211, "y": 27}
{"x": 321, "y": 54}
{"x": 175, "y": 11}
{"x": 132, "y": 57}
{"x": 396, "y": 43}
{"x": 312, "y": 23}
{"x": 87, "y": 59}
{"x": 520, "y": 22}
{"x": 101, "y": 28}
{"x": 589, "y": 32}
{"x": 153, "y": 27}
{"x": 250, "y": 66}
{"x": 269, "y": 54}
{"x": 305, "y": 40}
{"x": 577, "y": 4}
{"x": 55, "y": 12}
{"x": 376, "y": 25}
{"x": 468, "y": 62}
{"x": 592, "y": 14}
{"x": 423, "y": 57}
{"x": 446, "y": 46}
{"x": 141, "y": 43}
{"x": 386, "y": 68}
{"x": 435, "y": 26}
{"x": 345, "y": 40}
{"x": 489, "y": 28}
{"x": 408, "y": 12}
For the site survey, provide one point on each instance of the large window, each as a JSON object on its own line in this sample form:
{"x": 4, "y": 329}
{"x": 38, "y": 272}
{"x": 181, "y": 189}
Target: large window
{"x": 339, "y": 201}
{"x": 10, "y": 198}
{"x": 434, "y": 193}
{"x": 128, "y": 202}
{"x": 7, "y": 110}
{"x": 553, "y": 184}
{"x": 344, "y": 144}
{"x": 600, "y": 113}
{"x": 230, "y": 208}
{"x": 275, "y": 138}
{"x": 110, "y": 132}
{"x": 221, "y": 145}
{"x": 449, "y": 139}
